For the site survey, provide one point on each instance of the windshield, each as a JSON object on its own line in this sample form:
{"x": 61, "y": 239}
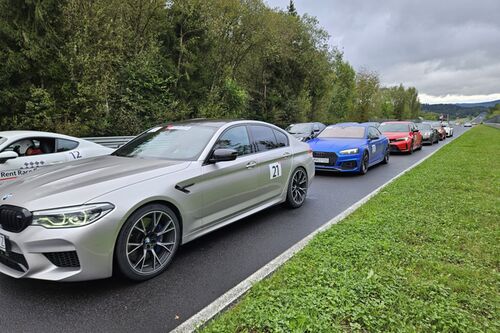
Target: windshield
{"x": 357, "y": 132}
{"x": 424, "y": 127}
{"x": 172, "y": 142}
{"x": 394, "y": 127}
{"x": 436, "y": 125}
{"x": 2, "y": 140}
{"x": 299, "y": 128}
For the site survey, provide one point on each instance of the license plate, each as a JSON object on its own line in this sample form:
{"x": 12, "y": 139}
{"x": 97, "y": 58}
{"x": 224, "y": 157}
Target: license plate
{"x": 321, "y": 160}
{"x": 3, "y": 243}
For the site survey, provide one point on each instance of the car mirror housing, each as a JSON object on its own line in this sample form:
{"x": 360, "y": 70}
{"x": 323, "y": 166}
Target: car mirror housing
{"x": 223, "y": 155}
{"x": 7, "y": 155}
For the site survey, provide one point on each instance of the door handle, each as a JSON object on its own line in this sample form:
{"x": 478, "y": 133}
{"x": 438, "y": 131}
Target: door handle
{"x": 251, "y": 164}
{"x": 287, "y": 154}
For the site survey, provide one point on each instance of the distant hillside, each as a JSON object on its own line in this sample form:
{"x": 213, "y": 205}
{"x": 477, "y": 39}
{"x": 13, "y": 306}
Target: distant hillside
{"x": 482, "y": 104}
{"x": 456, "y": 110}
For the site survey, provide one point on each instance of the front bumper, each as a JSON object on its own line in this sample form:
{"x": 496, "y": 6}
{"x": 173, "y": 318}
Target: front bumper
{"x": 341, "y": 163}
{"x": 65, "y": 254}
{"x": 399, "y": 146}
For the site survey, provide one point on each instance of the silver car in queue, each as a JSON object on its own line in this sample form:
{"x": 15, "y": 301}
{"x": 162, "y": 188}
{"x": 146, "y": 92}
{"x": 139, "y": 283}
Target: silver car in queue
{"x": 131, "y": 210}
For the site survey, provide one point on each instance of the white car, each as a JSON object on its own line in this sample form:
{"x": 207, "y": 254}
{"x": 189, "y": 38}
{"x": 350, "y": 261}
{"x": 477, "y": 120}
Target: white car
{"x": 22, "y": 152}
{"x": 447, "y": 128}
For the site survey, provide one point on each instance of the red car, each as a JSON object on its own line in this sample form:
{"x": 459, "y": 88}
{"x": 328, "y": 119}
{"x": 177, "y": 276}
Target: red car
{"x": 403, "y": 136}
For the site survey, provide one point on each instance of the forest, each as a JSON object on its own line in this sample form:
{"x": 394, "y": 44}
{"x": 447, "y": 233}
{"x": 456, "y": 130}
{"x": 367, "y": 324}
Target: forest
{"x": 117, "y": 67}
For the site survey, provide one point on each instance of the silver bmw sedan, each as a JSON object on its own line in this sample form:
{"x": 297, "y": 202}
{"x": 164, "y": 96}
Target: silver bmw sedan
{"x": 131, "y": 210}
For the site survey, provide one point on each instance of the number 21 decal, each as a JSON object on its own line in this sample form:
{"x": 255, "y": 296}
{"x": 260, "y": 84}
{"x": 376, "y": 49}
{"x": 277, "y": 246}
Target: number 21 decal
{"x": 274, "y": 170}
{"x": 75, "y": 154}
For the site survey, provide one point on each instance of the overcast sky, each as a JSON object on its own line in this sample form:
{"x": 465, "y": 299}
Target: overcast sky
{"x": 449, "y": 50}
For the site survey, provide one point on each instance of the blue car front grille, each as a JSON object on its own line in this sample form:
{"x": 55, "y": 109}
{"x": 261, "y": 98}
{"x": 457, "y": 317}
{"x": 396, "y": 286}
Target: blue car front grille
{"x": 322, "y": 154}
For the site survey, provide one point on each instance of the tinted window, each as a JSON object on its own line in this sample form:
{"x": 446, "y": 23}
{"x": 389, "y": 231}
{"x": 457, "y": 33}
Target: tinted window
{"x": 263, "y": 137}
{"x": 32, "y": 146}
{"x": 235, "y": 138}
{"x": 2, "y": 140}
{"x": 422, "y": 126}
{"x": 394, "y": 127}
{"x": 304, "y": 128}
{"x": 343, "y": 132}
{"x": 281, "y": 138}
{"x": 183, "y": 142}
{"x": 373, "y": 132}
{"x": 65, "y": 145}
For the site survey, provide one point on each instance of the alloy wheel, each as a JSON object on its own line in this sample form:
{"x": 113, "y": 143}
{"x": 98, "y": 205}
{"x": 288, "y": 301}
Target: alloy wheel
{"x": 151, "y": 242}
{"x": 299, "y": 186}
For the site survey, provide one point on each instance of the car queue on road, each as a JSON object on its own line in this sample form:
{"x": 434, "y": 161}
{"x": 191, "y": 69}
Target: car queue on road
{"x": 128, "y": 211}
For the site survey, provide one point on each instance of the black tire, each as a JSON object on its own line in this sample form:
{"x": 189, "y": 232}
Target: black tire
{"x": 297, "y": 188}
{"x": 386, "y": 157}
{"x": 167, "y": 220}
{"x": 363, "y": 169}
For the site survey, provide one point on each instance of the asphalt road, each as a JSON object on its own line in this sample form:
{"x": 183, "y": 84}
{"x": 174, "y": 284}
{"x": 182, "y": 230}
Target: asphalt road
{"x": 203, "y": 270}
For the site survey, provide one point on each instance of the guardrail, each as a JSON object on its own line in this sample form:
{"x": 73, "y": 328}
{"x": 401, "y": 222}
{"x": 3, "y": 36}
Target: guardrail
{"x": 111, "y": 141}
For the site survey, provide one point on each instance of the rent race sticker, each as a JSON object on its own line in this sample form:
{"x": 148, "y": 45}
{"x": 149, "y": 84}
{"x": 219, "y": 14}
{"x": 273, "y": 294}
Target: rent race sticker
{"x": 275, "y": 170}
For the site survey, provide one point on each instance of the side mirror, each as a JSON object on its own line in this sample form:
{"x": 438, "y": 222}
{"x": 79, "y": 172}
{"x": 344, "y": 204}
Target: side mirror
{"x": 374, "y": 138}
{"x": 223, "y": 155}
{"x": 7, "y": 155}
{"x": 416, "y": 131}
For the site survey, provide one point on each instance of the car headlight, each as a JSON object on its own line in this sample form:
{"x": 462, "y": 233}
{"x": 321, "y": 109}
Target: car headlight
{"x": 402, "y": 139}
{"x": 350, "y": 151}
{"x": 71, "y": 217}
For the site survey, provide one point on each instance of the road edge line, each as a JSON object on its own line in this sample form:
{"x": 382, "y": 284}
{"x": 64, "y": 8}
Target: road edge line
{"x": 206, "y": 314}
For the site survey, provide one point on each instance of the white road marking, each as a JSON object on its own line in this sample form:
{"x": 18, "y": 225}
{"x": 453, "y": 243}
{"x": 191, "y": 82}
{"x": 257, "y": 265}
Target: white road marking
{"x": 231, "y": 296}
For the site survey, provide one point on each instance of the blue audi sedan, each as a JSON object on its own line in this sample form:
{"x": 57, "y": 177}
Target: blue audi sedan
{"x": 349, "y": 147}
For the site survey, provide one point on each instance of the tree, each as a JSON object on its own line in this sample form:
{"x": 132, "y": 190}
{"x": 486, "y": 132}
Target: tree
{"x": 367, "y": 102}
{"x": 291, "y": 9}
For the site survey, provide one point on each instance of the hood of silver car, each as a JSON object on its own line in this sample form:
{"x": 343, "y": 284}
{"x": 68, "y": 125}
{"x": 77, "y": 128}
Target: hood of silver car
{"x": 78, "y": 182}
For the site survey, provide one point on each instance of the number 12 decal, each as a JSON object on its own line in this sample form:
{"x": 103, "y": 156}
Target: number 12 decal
{"x": 274, "y": 170}
{"x": 75, "y": 154}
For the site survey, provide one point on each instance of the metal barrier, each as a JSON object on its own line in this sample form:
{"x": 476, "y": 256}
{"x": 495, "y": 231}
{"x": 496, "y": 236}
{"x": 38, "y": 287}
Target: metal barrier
{"x": 111, "y": 141}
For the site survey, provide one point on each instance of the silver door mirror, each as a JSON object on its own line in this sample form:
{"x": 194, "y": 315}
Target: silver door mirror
{"x": 7, "y": 155}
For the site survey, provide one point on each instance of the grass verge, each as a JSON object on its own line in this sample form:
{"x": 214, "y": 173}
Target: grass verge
{"x": 422, "y": 255}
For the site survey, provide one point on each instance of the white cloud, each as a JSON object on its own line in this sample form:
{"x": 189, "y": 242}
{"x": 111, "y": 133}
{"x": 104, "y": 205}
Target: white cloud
{"x": 443, "y": 48}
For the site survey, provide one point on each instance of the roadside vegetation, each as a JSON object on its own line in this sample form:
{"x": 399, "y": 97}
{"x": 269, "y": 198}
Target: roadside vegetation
{"x": 422, "y": 255}
{"x": 117, "y": 67}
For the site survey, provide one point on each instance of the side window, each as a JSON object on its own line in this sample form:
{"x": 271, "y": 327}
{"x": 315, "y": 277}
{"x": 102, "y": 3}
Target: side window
{"x": 281, "y": 138}
{"x": 32, "y": 146}
{"x": 263, "y": 137}
{"x": 373, "y": 132}
{"x": 315, "y": 127}
{"x": 65, "y": 145}
{"x": 235, "y": 138}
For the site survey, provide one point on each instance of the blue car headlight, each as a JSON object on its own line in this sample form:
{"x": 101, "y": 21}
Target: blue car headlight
{"x": 71, "y": 217}
{"x": 351, "y": 151}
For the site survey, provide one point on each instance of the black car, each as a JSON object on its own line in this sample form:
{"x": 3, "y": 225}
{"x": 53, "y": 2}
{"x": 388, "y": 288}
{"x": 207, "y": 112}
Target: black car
{"x": 430, "y": 135}
{"x": 305, "y": 131}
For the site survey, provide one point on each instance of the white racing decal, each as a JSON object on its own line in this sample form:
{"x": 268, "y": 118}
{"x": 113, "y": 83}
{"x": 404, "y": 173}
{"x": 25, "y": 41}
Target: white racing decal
{"x": 374, "y": 149}
{"x": 75, "y": 154}
{"x": 274, "y": 170}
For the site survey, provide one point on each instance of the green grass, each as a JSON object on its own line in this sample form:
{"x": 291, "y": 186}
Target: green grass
{"x": 421, "y": 256}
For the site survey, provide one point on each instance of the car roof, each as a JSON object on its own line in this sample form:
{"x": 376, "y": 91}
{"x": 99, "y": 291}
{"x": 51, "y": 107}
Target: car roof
{"x": 349, "y": 124}
{"x": 397, "y": 122}
{"x": 22, "y": 134}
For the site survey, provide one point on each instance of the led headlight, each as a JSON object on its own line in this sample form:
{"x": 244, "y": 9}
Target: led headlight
{"x": 349, "y": 151}
{"x": 71, "y": 217}
{"x": 402, "y": 139}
